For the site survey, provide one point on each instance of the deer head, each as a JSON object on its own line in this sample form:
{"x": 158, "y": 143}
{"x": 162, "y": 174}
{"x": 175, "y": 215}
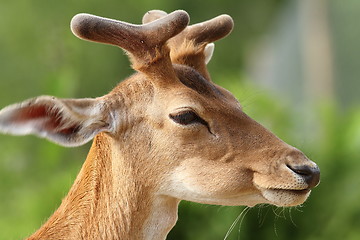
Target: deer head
{"x": 179, "y": 135}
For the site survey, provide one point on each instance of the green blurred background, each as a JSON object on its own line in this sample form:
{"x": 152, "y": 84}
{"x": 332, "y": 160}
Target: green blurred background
{"x": 294, "y": 65}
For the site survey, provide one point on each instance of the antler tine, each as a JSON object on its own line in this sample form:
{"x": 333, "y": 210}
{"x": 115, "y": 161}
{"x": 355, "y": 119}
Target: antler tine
{"x": 144, "y": 42}
{"x": 204, "y": 32}
{"x": 189, "y": 46}
{"x": 211, "y": 30}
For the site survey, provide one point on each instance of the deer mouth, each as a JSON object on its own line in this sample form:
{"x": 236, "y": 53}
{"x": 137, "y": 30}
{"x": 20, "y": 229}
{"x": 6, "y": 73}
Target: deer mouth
{"x": 291, "y": 191}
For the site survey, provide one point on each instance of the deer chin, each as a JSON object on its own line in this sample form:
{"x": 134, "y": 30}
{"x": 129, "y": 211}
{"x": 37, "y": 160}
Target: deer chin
{"x": 284, "y": 197}
{"x": 273, "y": 196}
{"x": 250, "y": 200}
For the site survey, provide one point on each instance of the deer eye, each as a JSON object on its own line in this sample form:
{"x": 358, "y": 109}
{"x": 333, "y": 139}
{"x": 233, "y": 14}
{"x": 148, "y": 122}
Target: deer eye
{"x": 187, "y": 117}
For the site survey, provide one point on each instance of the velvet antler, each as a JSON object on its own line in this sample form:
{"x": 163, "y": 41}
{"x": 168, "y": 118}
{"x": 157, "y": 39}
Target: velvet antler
{"x": 145, "y": 43}
{"x": 192, "y": 44}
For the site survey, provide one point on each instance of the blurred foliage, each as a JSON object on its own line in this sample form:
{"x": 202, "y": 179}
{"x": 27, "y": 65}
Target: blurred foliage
{"x": 39, "y": 55}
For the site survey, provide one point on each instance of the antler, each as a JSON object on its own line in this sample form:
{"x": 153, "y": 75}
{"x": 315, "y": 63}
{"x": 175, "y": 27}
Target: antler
{"x": 188, "y": 47}
{"x": 145, "y": 43}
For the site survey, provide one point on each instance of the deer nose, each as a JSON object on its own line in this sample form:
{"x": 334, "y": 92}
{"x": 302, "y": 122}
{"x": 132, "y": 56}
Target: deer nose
{"x": 310, "y": 173}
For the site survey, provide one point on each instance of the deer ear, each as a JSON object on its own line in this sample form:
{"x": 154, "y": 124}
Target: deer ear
{"x": 208, "y": 52}
{"x": 68, "y": 122}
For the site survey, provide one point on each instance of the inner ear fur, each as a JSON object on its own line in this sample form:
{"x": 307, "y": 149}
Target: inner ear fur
{"x": 68, "y": 122}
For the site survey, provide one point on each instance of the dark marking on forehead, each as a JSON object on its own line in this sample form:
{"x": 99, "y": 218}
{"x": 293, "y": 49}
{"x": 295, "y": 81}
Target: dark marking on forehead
{"x": 194, "y": 80}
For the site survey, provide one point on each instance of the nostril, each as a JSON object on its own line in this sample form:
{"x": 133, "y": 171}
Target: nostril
{"x": 311, "y": 174}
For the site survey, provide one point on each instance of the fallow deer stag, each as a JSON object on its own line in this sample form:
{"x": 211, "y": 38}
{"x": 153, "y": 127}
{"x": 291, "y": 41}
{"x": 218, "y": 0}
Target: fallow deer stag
{"x": 165, "y": 134}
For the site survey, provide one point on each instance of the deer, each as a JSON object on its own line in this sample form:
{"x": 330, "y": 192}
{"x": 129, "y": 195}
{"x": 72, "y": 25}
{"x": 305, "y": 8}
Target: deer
{"x": 165, "y": 134}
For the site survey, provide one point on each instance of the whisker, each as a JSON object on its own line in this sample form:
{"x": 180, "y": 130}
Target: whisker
{"x": 291, "y": 218}
{"x": 275, "y": 229}
{"x": 280, "y": 213}
{"x": 298, "y": 208}
{"x": 283, "y": 211}
{"x": 245, "y": 211}
{"x": 259, "y": 215}
{"x": 233, "y": 225}
{"x": 264, "y": 217}
{"x": 242, "y": 213}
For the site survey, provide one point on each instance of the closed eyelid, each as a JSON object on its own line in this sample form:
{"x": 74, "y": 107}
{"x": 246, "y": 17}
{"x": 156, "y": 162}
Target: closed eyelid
{"x": 188, "y": 117}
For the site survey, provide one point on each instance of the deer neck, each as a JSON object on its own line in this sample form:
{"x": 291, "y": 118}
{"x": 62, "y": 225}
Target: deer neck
{"x": 110, "y": 200}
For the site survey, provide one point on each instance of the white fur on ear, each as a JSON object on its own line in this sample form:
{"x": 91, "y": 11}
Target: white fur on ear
{"x": 68, "y": 122}
{"x": 208, "y": 51}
